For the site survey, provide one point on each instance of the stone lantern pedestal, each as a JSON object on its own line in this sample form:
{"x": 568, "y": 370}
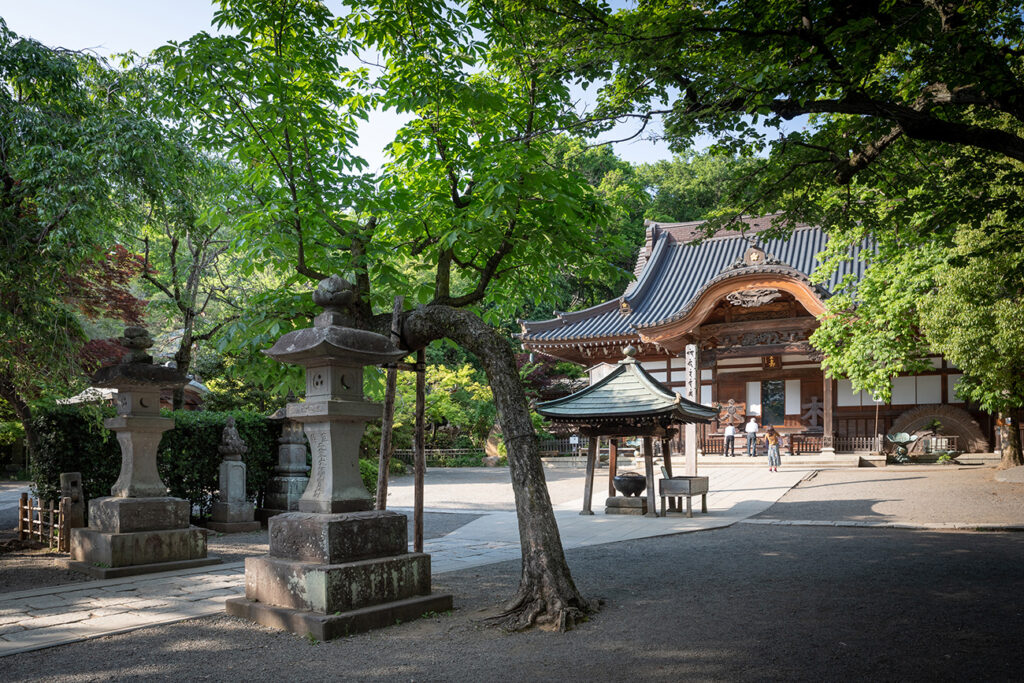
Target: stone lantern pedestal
{"x": 138, "y": 529}
{"x": 336, "y": 566}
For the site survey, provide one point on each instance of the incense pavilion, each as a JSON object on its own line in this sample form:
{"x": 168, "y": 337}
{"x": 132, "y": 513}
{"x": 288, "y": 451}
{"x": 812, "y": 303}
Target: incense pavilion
{"x": 725, "y": 321}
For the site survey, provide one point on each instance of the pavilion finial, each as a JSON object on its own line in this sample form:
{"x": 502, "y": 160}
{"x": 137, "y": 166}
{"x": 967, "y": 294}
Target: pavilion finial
{"x": 630, "y": 354}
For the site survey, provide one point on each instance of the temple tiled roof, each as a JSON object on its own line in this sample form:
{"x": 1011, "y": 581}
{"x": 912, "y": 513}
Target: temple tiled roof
{"x": 628, "y": 392}
{"x": 673, "y": 269}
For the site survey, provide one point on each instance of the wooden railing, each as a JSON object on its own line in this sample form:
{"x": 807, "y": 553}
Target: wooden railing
{"x": 45, "y": 523}
{"x": 854, "y": 444}
{"x": 936, "y": 444}
{"x": 806, "y": 443}
{"x": 564, "y": 446}
{"x": 437, "y": 457}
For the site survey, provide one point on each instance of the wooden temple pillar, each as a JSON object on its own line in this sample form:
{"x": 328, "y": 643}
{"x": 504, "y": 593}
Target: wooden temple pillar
{"x": 588, "y": 488}
{"x": 693, "y": 394}
{"x": 613, "y": 463}
{"x": 666, "y": 454}
{"x": 828, "y": 433}
{"x": 652, "y": 509}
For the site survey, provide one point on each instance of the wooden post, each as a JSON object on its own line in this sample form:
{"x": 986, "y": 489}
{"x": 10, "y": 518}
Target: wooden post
{"x": 420, "y": 444}
{"x": 692, "y": 393}
{"x": 388, "y": 420}
{"x": 22, "y": 513}
{"x": 588, "y": 487}
{"x": 666, "y": 454}
{"x": 652, "y": 511}
{"x": 613, "y": 463}
{"x": 64, "y": 533}
{"x": 828, "y": 435}
{"x": 50, "y": 539}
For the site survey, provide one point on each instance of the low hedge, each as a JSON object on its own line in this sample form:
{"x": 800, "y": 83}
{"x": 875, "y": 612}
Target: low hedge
{"x": 73, "y": 439}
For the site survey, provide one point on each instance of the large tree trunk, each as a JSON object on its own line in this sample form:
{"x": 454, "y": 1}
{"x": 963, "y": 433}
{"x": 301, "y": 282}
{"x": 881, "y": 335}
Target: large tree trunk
{"x": 1012, "y": 456}
{"x": 9, "y": 392}
{"x": 183, "y": 359}
{"x": 547, "y": 594}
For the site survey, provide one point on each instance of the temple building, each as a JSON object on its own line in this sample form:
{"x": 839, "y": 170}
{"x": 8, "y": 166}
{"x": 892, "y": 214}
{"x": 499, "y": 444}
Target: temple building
{"x": 725, "y": 321}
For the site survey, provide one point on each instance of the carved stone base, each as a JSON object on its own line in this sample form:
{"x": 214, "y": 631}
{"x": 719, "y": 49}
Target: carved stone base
{"x": 622, "y": 505}
{"x": 329, "y": 626}
{"x": 334, "y": 574}
{"x": 138, "y": 549}
{"x": 233, "y": 517}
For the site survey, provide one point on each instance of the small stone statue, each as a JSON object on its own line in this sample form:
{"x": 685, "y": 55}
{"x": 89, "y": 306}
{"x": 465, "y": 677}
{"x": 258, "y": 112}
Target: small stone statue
{"x": 231, "y": 445}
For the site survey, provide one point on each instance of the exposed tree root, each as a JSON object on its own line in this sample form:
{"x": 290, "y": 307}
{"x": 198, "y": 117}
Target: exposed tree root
{"x": 528, "y": 611}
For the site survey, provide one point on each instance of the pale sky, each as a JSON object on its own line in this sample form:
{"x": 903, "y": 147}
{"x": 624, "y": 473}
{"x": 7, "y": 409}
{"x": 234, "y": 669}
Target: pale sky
{"x": 115, "y": 26}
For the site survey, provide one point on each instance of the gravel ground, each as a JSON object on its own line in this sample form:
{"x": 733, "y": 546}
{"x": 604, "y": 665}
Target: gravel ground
{"x": 747, "y": 603}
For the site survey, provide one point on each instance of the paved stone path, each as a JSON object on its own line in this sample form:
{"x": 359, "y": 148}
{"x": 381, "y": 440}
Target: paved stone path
{"x": 9, "y": 495}
{"x": 45, "y": 617}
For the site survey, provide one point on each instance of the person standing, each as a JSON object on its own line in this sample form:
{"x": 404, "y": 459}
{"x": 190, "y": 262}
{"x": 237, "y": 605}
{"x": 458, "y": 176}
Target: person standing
{"x": 730, "y": 441}
{"x": 771, "y": 438}
{"x": 752, "y": 437}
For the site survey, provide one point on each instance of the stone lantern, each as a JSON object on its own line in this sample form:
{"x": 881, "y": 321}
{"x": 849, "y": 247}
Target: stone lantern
{"x": 139, "y": 528}
{"x": 336, "y": 566}
{"x": 291, "y": 476}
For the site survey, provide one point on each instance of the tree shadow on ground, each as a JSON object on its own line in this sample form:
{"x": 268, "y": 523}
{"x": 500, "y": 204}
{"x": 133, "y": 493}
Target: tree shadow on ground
{"x": 750, "y": 602}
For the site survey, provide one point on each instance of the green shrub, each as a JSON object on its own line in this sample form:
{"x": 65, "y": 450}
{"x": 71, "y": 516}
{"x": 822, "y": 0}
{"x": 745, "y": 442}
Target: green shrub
{"x": 396, "y": 466}
{"x": 189, "y": 461}
{"x": 73, "y": 439}
{"x": 368, "y": 471}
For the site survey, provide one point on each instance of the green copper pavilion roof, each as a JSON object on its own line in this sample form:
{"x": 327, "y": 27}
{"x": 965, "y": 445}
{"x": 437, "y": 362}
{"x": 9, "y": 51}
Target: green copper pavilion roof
{"x": 628, "y": 393}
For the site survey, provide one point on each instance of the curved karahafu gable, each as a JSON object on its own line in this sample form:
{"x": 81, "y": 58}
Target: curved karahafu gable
{"x": 676, "y": 271}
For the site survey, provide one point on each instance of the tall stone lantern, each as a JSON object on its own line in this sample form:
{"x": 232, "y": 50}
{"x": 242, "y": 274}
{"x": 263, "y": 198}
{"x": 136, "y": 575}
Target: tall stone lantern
{"x": 138, "y": 529}
{"x": 336, "y": 566}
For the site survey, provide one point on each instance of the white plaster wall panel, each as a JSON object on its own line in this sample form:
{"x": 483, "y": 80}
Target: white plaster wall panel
{"x": 936, "y": 363}
{"x": 705, "y": 395}
{"x": 706, "y": 375}
{"x": 679, "y": 363}
{"x": 904, "y": 391}
{"x": 736, "y": 361}
{"x": 792, "y": 397}
{"x": 844, "y": 394}
{"x": 660, "y": 376}
{"x": 929, "y": 389}
{"x": 649, "y": 365}
{"x": 953, "y": 381}
{"x": 599, "y": 372}
{"x": 753, "y": 398}
{"x": 793, "y": 357}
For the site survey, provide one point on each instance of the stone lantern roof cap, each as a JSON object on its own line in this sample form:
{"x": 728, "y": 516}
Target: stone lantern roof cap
{"x": 136, "y": 371}
{"x": 329, "y": 339}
